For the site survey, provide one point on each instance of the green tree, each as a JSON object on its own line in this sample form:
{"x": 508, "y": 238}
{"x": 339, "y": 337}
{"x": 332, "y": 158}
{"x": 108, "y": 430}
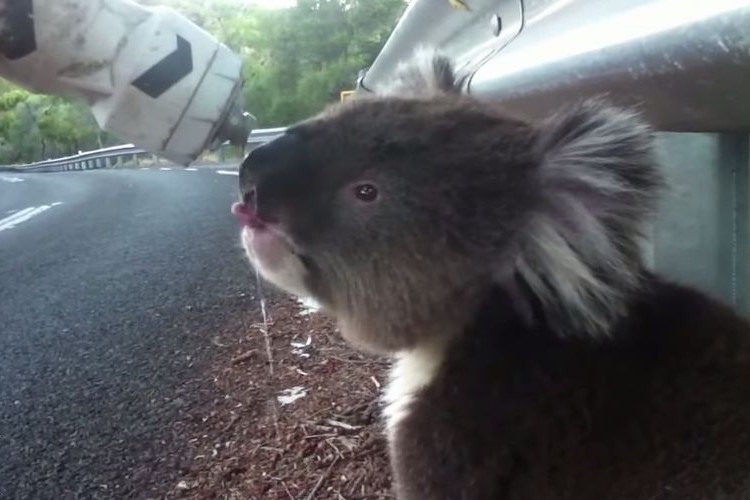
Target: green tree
{"x": 299, "y": 59}
{"x": 307, "y": 55}
{"x": 35, "y": 127}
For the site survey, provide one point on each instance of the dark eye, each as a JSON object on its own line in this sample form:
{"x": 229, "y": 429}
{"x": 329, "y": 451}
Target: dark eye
{"x": 366, "y": 192}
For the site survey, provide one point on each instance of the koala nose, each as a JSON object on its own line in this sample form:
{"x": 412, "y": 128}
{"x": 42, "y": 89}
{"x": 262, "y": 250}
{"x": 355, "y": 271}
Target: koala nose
{"x": 249, "y": 198}
{"x": 259, "y": 180}
{"x": 248, "y": 213}
{"x": 266, "y": 160}
{"x": 248, "y": 177}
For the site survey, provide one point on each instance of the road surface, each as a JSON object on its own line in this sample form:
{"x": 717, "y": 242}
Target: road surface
{"x": 112, "y": 285}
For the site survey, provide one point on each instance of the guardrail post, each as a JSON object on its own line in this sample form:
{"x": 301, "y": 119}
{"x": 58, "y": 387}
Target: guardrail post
{"x": 136, "y": 161}
{"x": 701, "y": 236}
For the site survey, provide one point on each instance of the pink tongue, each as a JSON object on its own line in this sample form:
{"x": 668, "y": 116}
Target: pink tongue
{"x": 246, "y": 216}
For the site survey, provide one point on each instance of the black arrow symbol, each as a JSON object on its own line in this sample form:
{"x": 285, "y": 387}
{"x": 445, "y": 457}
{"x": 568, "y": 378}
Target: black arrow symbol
{"x": 163, "y": 75}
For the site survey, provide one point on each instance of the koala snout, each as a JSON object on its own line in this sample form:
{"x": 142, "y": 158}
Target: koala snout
{"x": 248, "y": 216}
{"x": 274, "y": 175}
{"x": 270, "y": 160}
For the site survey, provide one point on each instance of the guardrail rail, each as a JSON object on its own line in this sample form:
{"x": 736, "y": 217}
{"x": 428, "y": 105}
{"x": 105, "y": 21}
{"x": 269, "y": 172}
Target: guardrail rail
{"x": 114, "y": 155}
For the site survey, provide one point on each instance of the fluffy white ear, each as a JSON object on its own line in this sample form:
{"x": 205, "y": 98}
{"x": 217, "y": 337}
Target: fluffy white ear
{"x": 600, "y": 185}
{"x": 426, "y": 74}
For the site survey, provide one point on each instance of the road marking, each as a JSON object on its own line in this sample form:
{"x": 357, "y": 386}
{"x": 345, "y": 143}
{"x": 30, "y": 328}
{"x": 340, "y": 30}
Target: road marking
{"x": 24, "y": 215}
{"x": 18, "y": 214}
{"x": 165, "y": 168}
{"x": 144, "y": 168}
{"x": 191, "y": 169}
{"x": 10, "y": 179}
{"x": 12, "y": 211}
{"x": 227, "y": 172}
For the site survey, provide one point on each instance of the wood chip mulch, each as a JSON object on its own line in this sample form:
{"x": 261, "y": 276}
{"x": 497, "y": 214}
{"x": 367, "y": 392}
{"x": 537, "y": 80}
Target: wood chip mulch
{"x": 303, "y": 425}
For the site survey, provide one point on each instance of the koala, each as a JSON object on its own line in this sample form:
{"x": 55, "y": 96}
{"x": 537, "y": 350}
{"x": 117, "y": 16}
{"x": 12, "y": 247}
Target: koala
{"x": 498, "y": 261}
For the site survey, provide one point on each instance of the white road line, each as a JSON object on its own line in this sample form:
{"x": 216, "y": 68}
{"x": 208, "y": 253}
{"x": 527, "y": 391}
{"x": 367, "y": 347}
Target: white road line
{"x": 227, "y": 172}
{"x": 165, "y": 168}
{"x": 191, "y": 169}
{"x": 17, "y": 215}
{"x": 24, "y": 215}
{"x": 10, "y": 179}
{"x": 11, "y": 211}
{"x": 144, "y": 168}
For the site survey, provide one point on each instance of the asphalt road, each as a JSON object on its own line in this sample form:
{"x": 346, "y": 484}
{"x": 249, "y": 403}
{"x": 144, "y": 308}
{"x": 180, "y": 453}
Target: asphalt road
{"x": 112, "y": 284}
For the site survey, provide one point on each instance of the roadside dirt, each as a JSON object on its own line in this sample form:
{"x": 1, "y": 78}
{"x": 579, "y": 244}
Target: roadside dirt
{"x": 304, "y": 425}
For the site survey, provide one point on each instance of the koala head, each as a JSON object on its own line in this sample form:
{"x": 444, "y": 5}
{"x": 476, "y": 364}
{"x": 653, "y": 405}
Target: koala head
{"x": 399, "y": 212}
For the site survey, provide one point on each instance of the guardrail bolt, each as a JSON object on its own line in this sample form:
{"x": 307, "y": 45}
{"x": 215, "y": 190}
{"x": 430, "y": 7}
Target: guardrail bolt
{"x": 497, "y": 24}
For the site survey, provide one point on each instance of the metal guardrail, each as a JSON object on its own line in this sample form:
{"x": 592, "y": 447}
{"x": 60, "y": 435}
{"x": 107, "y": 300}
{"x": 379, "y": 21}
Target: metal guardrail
{"x": 102, "y": 158}
{"x": 685, "y": 64}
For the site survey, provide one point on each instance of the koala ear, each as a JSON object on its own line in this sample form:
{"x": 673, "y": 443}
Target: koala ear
{"x": 600, "y": 184}
{"x": 608, "y": 149}
{"x": 426, "y": 74}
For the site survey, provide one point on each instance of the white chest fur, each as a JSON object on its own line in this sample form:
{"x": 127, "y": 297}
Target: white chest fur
{"x": 412, "y": 371}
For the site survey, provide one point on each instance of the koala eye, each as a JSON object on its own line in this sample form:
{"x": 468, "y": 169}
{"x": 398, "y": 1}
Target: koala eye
{"x": 366, "y": 192}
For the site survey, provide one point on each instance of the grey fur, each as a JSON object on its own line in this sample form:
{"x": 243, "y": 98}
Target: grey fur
{"x": 428, "y": 72}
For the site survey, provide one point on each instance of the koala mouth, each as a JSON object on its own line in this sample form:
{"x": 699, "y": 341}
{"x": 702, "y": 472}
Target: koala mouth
{"x": 266, "y": 241}
{"x": 272, "y": 251}
{"x": 247, "y": 216}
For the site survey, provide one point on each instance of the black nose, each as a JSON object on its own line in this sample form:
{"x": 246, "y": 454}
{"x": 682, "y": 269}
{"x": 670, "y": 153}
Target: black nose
{"x": 276, "y": 175}
{"x": 248, "y": 198}
{"x": 269, "y": 159}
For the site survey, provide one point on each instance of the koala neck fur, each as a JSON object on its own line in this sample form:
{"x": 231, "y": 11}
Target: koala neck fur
{"x": 392, "y": 324}
{"x": 427, "y": 330}
{"x": 412, "y": 370}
